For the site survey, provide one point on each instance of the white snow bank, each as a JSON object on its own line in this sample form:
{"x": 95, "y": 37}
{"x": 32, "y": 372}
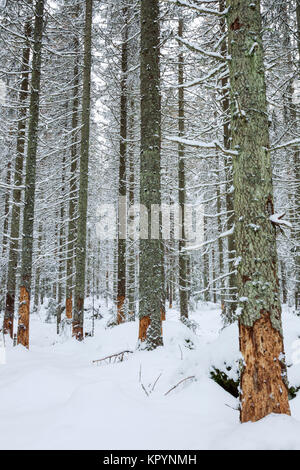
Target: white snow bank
{"x": 64, "y": 401}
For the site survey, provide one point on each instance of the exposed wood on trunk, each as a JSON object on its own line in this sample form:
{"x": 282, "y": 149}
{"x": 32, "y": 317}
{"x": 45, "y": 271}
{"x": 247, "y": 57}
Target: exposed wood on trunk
{"x": 265, "y": 375}
{"x": 24, "y": 310}
{"x": 143, "y": 327}
{"x": 69, "y": 308}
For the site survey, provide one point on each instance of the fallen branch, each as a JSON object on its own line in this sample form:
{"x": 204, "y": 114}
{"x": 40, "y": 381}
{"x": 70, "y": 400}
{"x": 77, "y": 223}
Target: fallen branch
{"x": 118, "y": 357}
{"x": 181, "y": 381}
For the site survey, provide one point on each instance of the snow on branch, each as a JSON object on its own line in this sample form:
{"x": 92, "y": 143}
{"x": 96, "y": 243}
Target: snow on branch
{"x": 208, "y": 242}
{"x": 194, "y": 6}
{"x": 204, "y": 145}
{"x": 197, "y": 81}
{"x": 198, "y": 49}
{"x": 277, "y": 220}
{"x": 291, "y": 143}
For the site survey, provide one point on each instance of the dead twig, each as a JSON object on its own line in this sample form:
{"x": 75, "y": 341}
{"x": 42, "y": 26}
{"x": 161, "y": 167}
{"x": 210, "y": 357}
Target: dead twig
{"x": 143, "y": 387}
{"x": 118, "y": 357}
{"x": 181, "y": 381}
{"x": 153, "y": 387}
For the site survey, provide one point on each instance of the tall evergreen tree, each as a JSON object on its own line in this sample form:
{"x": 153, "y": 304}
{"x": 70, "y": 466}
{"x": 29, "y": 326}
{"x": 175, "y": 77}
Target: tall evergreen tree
{"x": 183, "y": 256}
{"x": 122, "y": 176}
{"x": 18, "y": 177}
{"x": 29, "y": 200}
{"x": 150, "y": 275}
{"x": 263, "y": 374}
{"x": 78, "y": 317}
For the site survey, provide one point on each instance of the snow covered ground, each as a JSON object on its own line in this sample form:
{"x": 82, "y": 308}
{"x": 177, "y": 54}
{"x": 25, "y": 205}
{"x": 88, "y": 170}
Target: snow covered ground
{"x": 54, "y": 397}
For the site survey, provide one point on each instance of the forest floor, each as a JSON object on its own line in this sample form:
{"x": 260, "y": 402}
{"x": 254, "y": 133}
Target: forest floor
{"x": 54, "y": 397}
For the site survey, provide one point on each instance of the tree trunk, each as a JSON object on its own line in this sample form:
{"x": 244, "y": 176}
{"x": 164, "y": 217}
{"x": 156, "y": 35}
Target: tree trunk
{"x": 183, "y": 280}
{"x": 38, "y": 272}
{"x": 150, "y": 277}
{"x": 297, "y": 191}
{"x": 61, "y": 243}
{"x": 72, "y": 226}
{"x": 16, "y": 196}
{"x": 230, "y": 306}
{"x": 122, "y": 178}
{"x": 78, "y": 317}
{"x": 131, "y": 190}
{"x": 263, "y": 375}
{"x": 6, "y": 208}
{"x": 28, "y": 215}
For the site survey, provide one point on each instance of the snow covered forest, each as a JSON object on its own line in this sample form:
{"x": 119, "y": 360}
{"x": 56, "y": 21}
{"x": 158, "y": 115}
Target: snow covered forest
{"x": 149, "y": 224}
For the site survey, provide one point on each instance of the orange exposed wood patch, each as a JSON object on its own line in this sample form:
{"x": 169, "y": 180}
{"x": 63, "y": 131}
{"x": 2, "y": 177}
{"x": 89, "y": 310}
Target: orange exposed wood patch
{"x": 120, "y": 309}
{"x": 144, "y": 324}
{"x": 263, "y": 388}
{"x": 23, "y": 325}
{"x": 77, "y": 331}
{"x": 236, "y": 25}
{"x": 69, "y": 307}
{"x": 163, "y": 314}
{"x": 7, "y": 326}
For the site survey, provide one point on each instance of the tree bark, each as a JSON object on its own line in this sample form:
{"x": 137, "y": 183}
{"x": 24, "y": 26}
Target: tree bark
{"x": 263, "y": 374}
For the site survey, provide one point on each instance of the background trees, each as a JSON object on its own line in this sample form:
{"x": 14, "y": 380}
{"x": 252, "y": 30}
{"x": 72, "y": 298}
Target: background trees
{"x": 147, "y": 105}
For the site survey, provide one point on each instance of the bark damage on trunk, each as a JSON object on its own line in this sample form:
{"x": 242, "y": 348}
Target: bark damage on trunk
{"x": 143, "y": 327}
{"x": 264, "y": 375}
{"x": 69, "y": 308}
{"x": 23, "y": 324}
{"x": 120, "y": 309}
